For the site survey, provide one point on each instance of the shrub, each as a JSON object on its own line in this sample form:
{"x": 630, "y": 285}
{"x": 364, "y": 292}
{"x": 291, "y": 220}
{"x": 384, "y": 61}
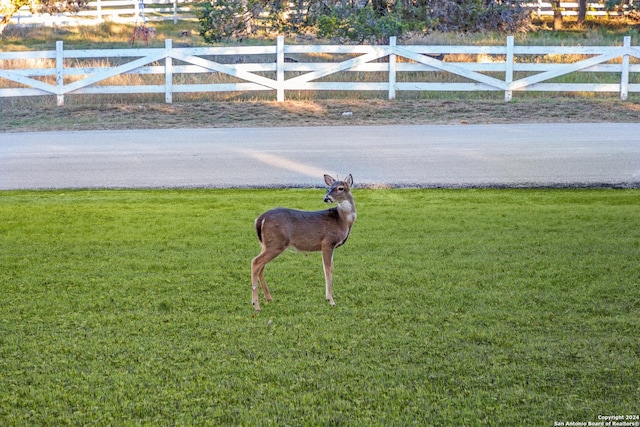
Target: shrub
{"x": 224, "y": 19}
{"x": 478, "y": 15}
{"x": 350, "y": 22}
{"x": 360, "y": 25}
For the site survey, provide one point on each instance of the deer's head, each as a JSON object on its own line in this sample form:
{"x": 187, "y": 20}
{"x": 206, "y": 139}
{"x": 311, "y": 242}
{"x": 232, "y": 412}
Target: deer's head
{"x": 338, "y": 191}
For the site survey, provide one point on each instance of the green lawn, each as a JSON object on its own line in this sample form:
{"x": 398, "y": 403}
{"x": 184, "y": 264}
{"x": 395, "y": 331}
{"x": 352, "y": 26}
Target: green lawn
{"x": 455, "y": 307}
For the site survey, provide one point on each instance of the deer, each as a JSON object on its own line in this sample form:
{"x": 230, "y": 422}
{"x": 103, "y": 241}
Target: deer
{"x": 305, "y": 231}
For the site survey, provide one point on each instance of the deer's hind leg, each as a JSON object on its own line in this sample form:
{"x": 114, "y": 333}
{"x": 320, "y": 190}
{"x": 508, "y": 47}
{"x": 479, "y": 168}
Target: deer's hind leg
{"x": 257, "y": 273}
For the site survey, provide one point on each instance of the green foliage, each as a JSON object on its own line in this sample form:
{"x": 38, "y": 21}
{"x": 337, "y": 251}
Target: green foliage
{"x": 479, "y": 16}
{"x": 349, "y": 22}
{"x": 282, "y": 18}
{"x": 630, "y": 9}
{"x": 360, "y": 25}
{"x": 222, "y": 19}
{"x": 462, "y": 307}
{"x": 225, "y": 19}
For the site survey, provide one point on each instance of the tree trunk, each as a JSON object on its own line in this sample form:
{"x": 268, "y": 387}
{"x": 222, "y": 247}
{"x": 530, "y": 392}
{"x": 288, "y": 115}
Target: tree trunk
{"x": 582, "y": 11}
{"x": 380, "y": 7}
{"x": 557, "y": 15}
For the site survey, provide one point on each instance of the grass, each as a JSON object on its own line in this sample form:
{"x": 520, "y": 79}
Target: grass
{"x": 455, "y": 307}
{"x": 25, "y": 115}
{"x": 111, "y": 35}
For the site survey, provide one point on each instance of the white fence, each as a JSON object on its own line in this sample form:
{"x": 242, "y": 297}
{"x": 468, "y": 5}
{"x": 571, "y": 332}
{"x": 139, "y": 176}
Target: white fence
{"x": 570, "y": 8}
{"x": 126, "y": 11}
{"x": 281, "y": 68}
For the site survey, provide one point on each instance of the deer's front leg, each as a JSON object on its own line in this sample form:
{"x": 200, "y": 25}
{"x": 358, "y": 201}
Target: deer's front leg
{"x": 254, "y": 287}
{"x": 327, "y": 264}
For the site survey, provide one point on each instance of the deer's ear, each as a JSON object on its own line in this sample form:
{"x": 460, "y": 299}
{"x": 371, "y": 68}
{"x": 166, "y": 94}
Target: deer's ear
{"x": 349, "y": 180}
{"x": 329, "y": 180}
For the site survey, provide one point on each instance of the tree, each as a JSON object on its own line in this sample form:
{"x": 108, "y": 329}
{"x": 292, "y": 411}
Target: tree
{"x": 557, "y": 15}
{"x": 582, "y": 11}
{"x": 360, "y": 21}
{"x": 380, "y": 7}
{"x": 223, "y": 19}
{"x": 8, "y": 8}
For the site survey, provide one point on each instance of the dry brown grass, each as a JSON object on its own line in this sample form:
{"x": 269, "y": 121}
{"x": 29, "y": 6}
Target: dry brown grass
{"x": 20, "y": 116}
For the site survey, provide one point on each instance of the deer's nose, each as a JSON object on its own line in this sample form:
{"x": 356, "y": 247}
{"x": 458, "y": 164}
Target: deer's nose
{"x": 328, "y": 199}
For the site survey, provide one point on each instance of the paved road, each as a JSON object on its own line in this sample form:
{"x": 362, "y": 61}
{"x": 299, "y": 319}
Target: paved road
{"x": 425, "y": 156}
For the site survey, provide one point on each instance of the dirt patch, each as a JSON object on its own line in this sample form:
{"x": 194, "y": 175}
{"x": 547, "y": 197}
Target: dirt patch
{"x": 18, "y": 116}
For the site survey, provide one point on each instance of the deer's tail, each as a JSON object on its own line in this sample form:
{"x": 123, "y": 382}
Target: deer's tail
{"x": 259, "y": 222}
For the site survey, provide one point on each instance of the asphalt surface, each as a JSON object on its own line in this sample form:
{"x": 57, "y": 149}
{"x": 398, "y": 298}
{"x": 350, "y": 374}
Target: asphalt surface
{"x": 528, "y": 155}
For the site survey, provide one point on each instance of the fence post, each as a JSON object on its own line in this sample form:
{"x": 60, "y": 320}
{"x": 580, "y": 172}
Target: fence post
{"x": 168, "y": 72}
{"x": 508, "y": 78}
{"x": 175, "y": 12}
{"x": 624, "y": 77}
{"x": 280, "y": 68}
{"x": 392, "y": 68}
{"x": 136, "y": 10}
{"x": 59, "y": 72}
{"x": 144, "y": 18}
{"x": 99, "y": 10}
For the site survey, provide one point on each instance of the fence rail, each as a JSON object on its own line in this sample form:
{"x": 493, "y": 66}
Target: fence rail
{"x": 281, "y": 68}
{"x": 570, "y": 8}
{"x": 126, "y": 11}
